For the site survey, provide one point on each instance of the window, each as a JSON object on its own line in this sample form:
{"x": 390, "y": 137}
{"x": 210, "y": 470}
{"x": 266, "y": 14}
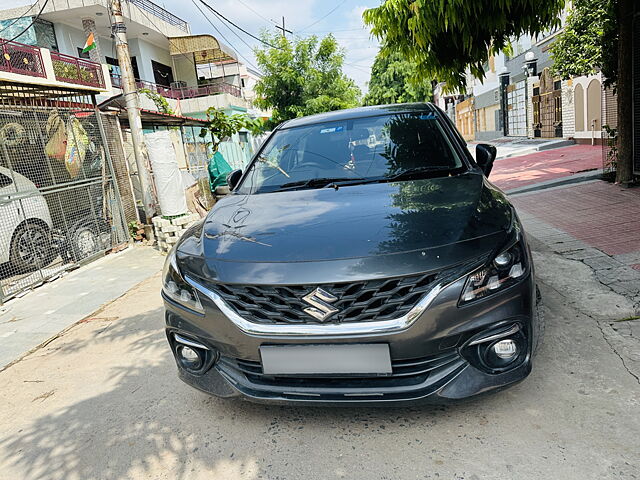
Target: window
{"x": 5, "y": 181}
{"x": 365, "y": 148}
{"x": 82, "y": 54}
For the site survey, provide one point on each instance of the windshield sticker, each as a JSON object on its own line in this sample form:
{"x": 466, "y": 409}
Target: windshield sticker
{"x": 332, "y": 130}
{"x": 428, "y": 116}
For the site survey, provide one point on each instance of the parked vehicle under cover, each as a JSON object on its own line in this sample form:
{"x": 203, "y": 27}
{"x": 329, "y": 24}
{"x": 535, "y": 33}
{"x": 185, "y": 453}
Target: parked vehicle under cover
{"x": 362, "y": 257}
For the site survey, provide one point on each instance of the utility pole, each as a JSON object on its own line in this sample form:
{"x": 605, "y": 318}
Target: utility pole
{"x": 128, "y": 85}
{"x": 284, "y": 30}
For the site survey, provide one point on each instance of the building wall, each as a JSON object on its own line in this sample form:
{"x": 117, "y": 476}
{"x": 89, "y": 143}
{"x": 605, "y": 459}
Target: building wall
{"x": 465, "y": 119}
{"x": 487, "y": 115}
{"x": 568, "y": 109}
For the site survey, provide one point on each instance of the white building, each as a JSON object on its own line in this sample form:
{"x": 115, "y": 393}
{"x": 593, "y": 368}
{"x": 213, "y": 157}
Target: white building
{"x": 166, "y": 57}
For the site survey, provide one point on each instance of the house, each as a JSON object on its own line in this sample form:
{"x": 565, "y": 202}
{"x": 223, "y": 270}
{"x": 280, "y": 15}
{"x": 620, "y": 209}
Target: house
{"x": 165, "y": 56}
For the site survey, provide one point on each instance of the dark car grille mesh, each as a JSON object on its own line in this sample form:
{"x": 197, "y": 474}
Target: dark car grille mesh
{"x": 365, "y": 301}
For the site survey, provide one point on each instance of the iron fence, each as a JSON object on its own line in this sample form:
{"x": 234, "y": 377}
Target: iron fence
{"x": 19, "y": 58}
{"x": 77, "y": 70}
{"x": 59, "y": 203}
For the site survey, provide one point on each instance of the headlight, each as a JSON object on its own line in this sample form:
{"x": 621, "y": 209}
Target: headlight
{"x": 506, "y": 269}
{"x": 174, "y": 286}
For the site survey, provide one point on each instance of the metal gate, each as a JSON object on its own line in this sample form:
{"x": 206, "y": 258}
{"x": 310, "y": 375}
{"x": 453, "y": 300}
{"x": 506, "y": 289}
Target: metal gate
{"x": 516, "y": 109}
{"x": 59, "y": 204}
{"x": 547, "y": 106}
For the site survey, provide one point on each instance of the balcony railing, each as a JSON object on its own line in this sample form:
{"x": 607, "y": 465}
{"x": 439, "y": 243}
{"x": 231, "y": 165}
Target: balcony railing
{"x": 20, "y": 58}
{"x": 77, "y": 70}
{"x": 161, "y": 13}
{"x": 184, "y": 92}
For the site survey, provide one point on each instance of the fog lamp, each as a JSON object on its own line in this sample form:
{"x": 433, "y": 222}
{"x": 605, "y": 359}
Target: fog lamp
{"x": 505, "y": 349}
{"x": 189, "y": 357}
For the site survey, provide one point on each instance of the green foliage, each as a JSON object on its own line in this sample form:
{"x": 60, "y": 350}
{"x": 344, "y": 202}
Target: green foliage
{"x": 223, "y": 126}
{"x": 588, "y": 42}
{"x": 445, "y": 37}
{"x": 159, "y": 101}
{"x": 303, "y": 77}
{"x": 396, "y": 80}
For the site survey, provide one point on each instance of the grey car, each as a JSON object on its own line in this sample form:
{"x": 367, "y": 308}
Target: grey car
{"x": 362, "y": 258}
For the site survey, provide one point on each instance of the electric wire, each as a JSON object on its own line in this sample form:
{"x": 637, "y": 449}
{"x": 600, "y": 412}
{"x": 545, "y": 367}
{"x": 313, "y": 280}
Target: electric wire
{"x": 324, "y": 16}
{"x": 28, "y": 26}
{"x": 223, "y": 37}
{"x": 20, "y": 17}
{"x": 237, "y": 26}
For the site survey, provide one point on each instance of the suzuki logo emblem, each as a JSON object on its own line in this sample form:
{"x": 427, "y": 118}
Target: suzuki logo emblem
{"x": 321, "y": 301}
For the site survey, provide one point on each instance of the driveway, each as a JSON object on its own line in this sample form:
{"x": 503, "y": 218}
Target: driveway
{"x": 102, "y": 401}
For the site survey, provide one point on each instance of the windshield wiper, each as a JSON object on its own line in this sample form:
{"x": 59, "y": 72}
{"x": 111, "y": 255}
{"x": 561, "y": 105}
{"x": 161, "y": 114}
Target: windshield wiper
{"x": 316, "y": 182}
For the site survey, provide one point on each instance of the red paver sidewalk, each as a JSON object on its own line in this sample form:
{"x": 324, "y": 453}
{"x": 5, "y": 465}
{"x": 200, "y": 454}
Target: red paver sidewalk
{"x": 600, "y": 214}
{"x": 510, "y": 173}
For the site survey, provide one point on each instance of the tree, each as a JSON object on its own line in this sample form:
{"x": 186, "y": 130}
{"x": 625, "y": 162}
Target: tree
{"x": 223, "y": 126}
{"x": 396, "y": 80}
{"x": 302, "y": 77}
{"x": 445, "y": 37}
{"x": 592, "y": 40}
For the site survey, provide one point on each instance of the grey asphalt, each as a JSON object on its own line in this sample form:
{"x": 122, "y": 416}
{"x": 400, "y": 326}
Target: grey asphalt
{"x": 34, "y": 318}
{"x": 102, "y": 401}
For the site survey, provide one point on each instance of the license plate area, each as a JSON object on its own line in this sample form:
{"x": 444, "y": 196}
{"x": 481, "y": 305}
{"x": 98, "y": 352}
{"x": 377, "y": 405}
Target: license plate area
{"x": 326, "y": 360}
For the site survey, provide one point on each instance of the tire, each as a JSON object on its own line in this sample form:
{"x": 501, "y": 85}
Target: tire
{"x": 540, "y": 318}
{"x": 85, "y": 241}
{"x": 31, "y": 247}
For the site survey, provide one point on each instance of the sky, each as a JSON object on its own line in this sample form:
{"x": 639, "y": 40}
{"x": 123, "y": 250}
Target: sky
{"x": 343, "y": 18}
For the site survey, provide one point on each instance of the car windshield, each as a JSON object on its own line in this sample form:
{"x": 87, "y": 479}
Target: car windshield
{"x": 373, "y": 149}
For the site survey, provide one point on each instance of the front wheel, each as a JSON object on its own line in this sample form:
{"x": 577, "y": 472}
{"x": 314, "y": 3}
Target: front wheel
{"x": 31, "y": 247}
{"x": 85, "y": 241}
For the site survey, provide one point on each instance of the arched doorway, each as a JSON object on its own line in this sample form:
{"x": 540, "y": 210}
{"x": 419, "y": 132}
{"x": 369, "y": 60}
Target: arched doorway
{"x": 594, "y": 109}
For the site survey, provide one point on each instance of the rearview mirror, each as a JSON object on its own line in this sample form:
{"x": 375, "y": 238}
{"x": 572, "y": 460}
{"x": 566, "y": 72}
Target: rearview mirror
{"x": 485, "y": 155}
{"x": 234, "y": 178}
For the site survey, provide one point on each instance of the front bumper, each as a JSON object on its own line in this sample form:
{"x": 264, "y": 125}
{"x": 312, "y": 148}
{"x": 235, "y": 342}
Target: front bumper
{"x": 429, "y": 359}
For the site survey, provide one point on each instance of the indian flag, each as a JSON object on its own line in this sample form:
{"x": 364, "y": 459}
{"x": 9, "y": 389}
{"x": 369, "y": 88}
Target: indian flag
{"x": 90, "y": 44}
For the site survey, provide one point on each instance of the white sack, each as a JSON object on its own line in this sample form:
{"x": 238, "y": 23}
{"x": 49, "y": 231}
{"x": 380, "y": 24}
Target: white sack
{"x": 166, "y": 173}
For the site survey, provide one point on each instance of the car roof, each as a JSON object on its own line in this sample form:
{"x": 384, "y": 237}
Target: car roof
{"x": 359, "y": 112}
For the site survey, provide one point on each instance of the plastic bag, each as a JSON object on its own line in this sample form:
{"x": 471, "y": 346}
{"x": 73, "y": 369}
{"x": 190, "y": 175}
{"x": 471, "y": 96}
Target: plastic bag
{"x": 77, "y": 144}
{"x": 56, "y": 146}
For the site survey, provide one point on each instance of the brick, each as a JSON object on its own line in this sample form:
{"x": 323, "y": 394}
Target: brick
{"x": 171, "y": 240}
{"x": 181, "y": 220}
{"x": 169, "y": 229}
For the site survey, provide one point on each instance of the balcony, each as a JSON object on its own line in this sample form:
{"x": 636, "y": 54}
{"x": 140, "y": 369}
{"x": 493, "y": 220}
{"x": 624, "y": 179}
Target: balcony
{"x": 21, "y": 59}
{"x": 18, "y": 60}
{"x": 77, "y": 70}
{"x": 184, "y": 92}
{"x": 161, "y": 13}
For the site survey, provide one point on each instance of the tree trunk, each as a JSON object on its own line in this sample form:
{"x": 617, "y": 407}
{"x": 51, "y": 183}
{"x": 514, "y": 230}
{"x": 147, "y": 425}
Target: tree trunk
{"x": 624, "y": 90}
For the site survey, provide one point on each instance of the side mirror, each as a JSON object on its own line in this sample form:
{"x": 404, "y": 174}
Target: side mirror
{"x": 485, "y": 155}
{"x": 234, "y": 178}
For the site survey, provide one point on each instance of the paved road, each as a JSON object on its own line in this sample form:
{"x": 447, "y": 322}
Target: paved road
{"x": 103, "y": 402}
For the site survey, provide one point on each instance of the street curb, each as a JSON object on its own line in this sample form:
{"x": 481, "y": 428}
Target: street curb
{"x": 558, "y": 182}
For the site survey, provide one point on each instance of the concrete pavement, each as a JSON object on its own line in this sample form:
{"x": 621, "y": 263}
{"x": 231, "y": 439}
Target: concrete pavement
{"x": 546, "y": 167}
{"x": 28, "y": 321}
{"x": 103, "y": 402}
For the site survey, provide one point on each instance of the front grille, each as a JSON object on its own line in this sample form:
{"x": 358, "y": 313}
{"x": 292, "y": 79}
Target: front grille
{"x": 365, "y": 301}
{"x": 424, "y": 375}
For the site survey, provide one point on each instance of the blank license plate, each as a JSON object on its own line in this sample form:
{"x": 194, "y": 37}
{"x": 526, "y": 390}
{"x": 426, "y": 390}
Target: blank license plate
{"x": 373, "y": 359}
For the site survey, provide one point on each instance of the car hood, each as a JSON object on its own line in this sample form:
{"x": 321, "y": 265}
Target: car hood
{"x": 440, "y": 221}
